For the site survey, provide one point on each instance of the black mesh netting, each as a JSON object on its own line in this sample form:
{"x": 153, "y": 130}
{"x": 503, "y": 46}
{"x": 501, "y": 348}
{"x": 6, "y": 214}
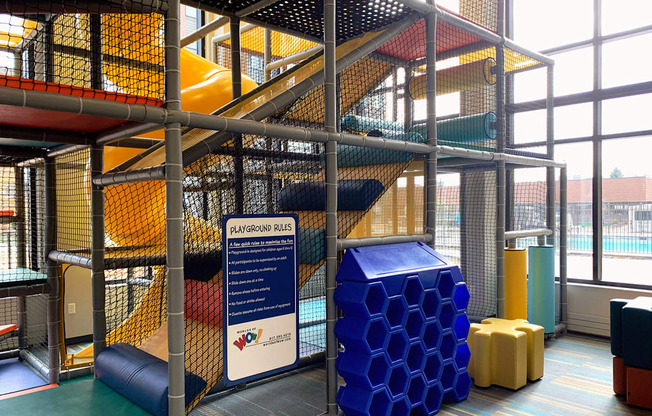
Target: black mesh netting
{"x": 107, "y": 50}
{"x": 529, "y": 208}
{"x": 22, "y": 210}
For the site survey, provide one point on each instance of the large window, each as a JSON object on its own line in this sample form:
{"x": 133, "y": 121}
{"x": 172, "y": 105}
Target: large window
{"x": 603, "y": 93}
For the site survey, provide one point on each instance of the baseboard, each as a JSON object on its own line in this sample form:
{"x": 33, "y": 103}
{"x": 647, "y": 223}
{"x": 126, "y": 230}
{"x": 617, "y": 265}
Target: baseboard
{"x": 79, "y": 340}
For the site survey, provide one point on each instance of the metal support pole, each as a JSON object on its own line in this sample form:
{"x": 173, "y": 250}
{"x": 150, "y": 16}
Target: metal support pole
{"x": 33, "y": 220}
{"x": 21, "y": 246}
{"x": 408, "y": 104}
{"x": 501, "y": 195}
{"x": 236, "y": 70}
{"x": 395, "y": 94}
{"x": 97, "y": 253}
{"x": 563, "y": 244}
{"x": 330, "y": 125}
{"x": 22, "y": 322}
{"x": 500, "y": 239}
{"x": 267, "y": 56}
{"x": 596, "y": 217}
{"x": 430, "y": 196}
{"x": 97, "y": 75}
{"x": 174, "y": 216}
{"x": 52, "y": 270}
{"x": 267, "y": 59}
{"x": 550, "y": 151}
{"x": 236, "y": 85}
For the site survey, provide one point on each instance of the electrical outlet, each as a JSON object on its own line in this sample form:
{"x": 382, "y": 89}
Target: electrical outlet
{"x": 71, "y": 308}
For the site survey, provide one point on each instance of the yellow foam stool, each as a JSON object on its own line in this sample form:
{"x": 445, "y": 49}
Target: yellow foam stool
{"x": 505, "y": 352}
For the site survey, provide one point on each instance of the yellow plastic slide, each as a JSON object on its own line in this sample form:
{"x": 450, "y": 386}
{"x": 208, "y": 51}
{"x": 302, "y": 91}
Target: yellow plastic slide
{"x": 135, "y": 212}
{"x": 140, "y": 221}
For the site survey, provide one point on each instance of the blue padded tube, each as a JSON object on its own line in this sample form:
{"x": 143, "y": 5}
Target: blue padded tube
{"x": 352, "y": 195}
{"x": 141, "y": 377}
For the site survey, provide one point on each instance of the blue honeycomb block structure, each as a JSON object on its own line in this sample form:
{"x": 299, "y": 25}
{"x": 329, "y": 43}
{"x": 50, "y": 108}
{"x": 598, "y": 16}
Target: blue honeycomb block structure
{"x": 404, "y": 331}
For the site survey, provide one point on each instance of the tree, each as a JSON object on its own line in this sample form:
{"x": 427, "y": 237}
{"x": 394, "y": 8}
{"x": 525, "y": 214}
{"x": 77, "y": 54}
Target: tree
{"x": 616, "y": 173}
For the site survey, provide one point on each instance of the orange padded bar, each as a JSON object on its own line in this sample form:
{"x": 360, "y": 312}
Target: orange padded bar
{"x": 7, "y": 329}
{"x": 32, "y": 85}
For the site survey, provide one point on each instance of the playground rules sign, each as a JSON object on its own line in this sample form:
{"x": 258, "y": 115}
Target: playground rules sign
{"x": 261, "y": 307}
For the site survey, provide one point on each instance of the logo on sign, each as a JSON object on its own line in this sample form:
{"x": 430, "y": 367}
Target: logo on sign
{"x": 248, "y": 338}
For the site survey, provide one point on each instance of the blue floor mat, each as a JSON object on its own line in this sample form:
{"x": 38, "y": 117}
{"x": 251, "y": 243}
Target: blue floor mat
{"x": 16, "y": 376}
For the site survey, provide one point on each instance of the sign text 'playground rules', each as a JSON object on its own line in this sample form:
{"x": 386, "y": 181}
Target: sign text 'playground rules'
{"x": 260, "y": 274}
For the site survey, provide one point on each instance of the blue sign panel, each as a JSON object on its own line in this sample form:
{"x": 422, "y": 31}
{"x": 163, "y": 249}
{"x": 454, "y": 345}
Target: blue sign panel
{"x": 260, "y": 277}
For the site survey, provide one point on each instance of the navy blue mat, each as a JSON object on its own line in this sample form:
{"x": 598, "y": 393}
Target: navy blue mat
{"x": 15, "y": 376}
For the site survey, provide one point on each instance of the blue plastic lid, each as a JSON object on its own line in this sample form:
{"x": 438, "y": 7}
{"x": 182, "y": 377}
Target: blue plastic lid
{"x": 375, "y": 262}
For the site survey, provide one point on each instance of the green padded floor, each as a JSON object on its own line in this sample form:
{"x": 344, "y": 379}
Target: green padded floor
{"x": 81, "y": 397}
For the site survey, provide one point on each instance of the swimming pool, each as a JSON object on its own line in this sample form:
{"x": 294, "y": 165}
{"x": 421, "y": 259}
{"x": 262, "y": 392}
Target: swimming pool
{"x": 611, "y": 243}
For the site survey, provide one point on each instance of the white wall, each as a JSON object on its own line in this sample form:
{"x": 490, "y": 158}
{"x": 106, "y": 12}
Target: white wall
{"x": 588, "y": 306}
{"x": 78, "y": 291}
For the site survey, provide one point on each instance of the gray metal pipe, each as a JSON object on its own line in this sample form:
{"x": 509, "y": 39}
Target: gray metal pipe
{"x": 9, "y": 354}
{"x": 21, "y": 232}
{"x": 430, "y": 189}
{"x": 501, "y": 173}
{"x": 70, "y": 258}
{"x": 49, "y": 245}
{"x": 508, "y": 43}
{"x": 64, "y": 150}
{"x": 236, "y": 64}
{"x": 227, "y": 36}
{"x": 127, "y": 130}
{"x": 550, "y": 150}
{"x": 267, "y": 53}
{"x": 21, "y": 322}
{"x": 275, "y": 28}
{"x": 141, "y": 175}
{"x": 330, "y": 126}
{"x": 97, "y": 253}
{"x": 563, "y": 245}
{"x": 103, "y": 108}
{"x": 14, "y": 291}
{"x": 37, "y": 364}
{"x": 500, "y": 238}
{"x": 346, "y": 243}
{"x": 536, "y": 232}
{"x": 174, "y": 216}
{"x": 236, "y": 89}
{"x": 254, "y": 7}
{"x": 408, "y": 103}
{"x": 297, "y": 57}
{"x": 203, "y": 31}
{"x": 46, "y": 135}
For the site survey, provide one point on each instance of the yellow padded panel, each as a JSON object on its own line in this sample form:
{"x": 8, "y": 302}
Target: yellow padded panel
{"x": 505, "y": 352}
{"x": 515, "y": 283}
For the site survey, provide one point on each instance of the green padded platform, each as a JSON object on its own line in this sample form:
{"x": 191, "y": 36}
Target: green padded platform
{"x": 80, "y": 397}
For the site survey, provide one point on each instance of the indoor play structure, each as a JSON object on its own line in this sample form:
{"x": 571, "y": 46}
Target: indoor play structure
{"x": 124, "y": 152}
